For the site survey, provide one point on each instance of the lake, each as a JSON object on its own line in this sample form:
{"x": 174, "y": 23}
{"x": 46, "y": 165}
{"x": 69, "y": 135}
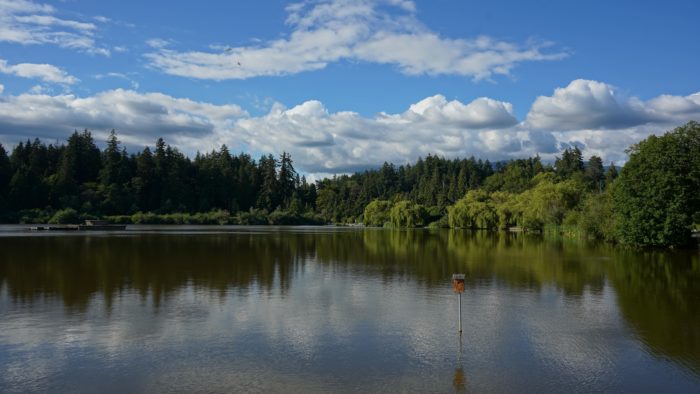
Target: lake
{"x": 327, "y": 309}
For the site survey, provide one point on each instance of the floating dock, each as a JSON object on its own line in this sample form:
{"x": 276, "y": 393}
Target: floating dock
{"x": 90, "y": 225}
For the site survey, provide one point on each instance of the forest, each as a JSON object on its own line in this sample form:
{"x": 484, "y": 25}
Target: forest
{"x": 653, "y": 200}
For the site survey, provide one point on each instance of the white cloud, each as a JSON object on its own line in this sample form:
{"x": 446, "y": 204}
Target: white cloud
{"x": 28, "y": 23}
{"x": 480, "y": 113}
{"x": 39, "y": 89}
{"x": 157, "y": 43}
{"x": 49, "y": 20}
{"x": 133, "y": 83}
{"x": 324, "y": 32}
{"x": 674, "y": 108}
{"x": 44, "y": 72}
{"x": 2, "y": 88}
{"x": 585, "y": 104}
{"x": 324, "y": 142}
{"x": 139, "y": 117}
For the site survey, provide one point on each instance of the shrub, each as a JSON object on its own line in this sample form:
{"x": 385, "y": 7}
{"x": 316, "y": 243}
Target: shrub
{"x": 33, "y": 216}
{"x": 65, "y": 216}
{"x": 252, "y": 217}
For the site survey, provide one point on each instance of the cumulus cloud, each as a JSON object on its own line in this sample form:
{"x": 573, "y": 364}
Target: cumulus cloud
{"x": 29, "y": 23}
{"x": 324, "y": 142}
{"x": 44, "y": 72}
{"x": 324, "y": 32}
{"x": 480, "y": 113}
{"x": 585, "y": 104}
{"x": 139, "y": 117}
{"x": 344, "y": 141}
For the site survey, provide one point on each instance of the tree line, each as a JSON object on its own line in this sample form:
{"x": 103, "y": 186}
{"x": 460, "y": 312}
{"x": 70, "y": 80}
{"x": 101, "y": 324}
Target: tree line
{"x": 77, "y": 180}
{"x": 653, "y": 201}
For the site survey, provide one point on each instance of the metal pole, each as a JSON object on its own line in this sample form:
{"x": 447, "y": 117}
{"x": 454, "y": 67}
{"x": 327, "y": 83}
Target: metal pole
{"x": 460, "y": 312}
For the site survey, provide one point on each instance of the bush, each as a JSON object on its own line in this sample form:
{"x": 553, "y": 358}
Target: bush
{"x": 119, "y": 219}
{"x": 252, "y": 217}
{"x": 597, "y": 218}
{"x": 33, "y": 216}
{"x": 282, "y": 218}
{"x": 145, "y": 218}
{"x": 311, "y": 218}
{"x": 443, "y": 222}
{"x": 65, "y": 216}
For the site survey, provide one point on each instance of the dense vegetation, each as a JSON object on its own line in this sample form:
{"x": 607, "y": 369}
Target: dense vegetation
{"x": 66, "y": 183}
{"x": 654, "y": 201}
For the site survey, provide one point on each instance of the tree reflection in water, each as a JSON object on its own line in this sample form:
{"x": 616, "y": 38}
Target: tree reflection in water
{"x": 658, "y": 292}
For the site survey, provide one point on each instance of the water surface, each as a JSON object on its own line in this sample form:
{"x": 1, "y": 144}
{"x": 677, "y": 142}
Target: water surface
{"x": 319, "y": 309}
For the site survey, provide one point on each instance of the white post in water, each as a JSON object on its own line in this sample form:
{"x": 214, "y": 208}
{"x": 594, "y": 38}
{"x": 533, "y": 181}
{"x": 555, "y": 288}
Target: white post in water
{"x": 458, "y": 287}
{"x": 460, "y": 313}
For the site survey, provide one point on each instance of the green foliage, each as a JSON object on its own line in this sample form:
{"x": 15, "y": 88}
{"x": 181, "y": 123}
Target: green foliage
{"x": 653, "y": 201}
{"x": 443, "y": 222}
{"x": 376, "y": 213}
{"x": 570, "y": 162}
{"x": 432, "y": 182}
{"x": 656, "y": 194}
{"x": 33, "y": 216}
{"x": 65, "y": 216}
{"x": 220, "y": 217}
{"x": 610, "y": 174}
{"x": 281, "y": 218}
{"x": 597, "y": 218}
{"x": 252, "y": 217}
{"x": 5, "y": 172}
{"x": 594, "y": 174}
{"x": 516, "y": 176}
{"x": 407, "y": 214}
{"x": 474, "y": 211}
{"x": 504, "y": 202}
{"x": 547, "y": 202}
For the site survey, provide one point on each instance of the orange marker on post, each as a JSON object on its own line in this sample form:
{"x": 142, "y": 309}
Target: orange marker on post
{"x": 458, "y": 286}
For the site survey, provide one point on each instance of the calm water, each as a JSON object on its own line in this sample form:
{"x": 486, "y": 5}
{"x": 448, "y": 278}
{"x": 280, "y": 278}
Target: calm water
{"x": 168, "y": 309}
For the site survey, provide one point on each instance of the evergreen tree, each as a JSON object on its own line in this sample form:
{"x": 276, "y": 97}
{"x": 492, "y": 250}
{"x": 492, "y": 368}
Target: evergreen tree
{"x": 287, "y": 179}
{"x": 268, "y": 197}
{"x": 79, "y": 164}
{"x": 570, "y": 163}
{"x": 112, "y": 171}
{"x": 114, "y": 176}
{"x": 145, "y": 181}
{"x": 5, "y": 173}
{"x": 611, "y": 174}
{"x": 27, "y": 187}
{"x": 595, "y": 175}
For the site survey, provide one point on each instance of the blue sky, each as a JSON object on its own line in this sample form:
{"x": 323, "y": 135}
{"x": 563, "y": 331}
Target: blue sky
{"x": 344, "y": 85}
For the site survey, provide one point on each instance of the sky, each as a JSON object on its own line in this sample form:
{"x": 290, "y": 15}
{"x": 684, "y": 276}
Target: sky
{"x": 347, "y": 85}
